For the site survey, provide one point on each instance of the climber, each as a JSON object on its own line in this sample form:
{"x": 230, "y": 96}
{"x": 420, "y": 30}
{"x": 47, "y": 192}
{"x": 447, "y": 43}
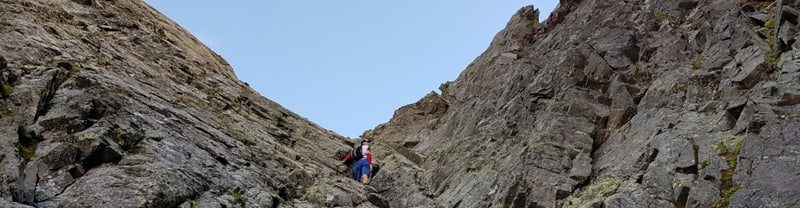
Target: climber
{"x": 363, "y": 161}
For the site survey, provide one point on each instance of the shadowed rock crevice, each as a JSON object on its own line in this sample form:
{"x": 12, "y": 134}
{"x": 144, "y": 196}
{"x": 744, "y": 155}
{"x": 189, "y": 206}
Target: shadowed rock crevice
{"x": 680, "y": 202}
{"x": 103, "y": 153}
{"x": 49, "y": 91}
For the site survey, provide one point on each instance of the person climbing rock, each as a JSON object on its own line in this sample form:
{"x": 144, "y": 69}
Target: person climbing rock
{"x": 363, "y": 161}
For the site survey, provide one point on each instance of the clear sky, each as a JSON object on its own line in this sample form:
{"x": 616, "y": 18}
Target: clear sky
{"x": 346, "y": 65}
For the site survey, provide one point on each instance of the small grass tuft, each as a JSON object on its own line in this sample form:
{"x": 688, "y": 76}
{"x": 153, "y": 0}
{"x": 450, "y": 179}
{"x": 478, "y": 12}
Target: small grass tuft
{"x": 121, "y": 91}
{"x": 28, "y": 153}
{"x": 662, "y": 16}
{"x": 770, "y": 23}
{"x": 192, "y": 203}
{"x": 766, "y": 6}
{"x": 704, "y": 164}
{"x": 238, "y": 136}
{"x": 773, "y": 56}
{"x": 237, "y": 197}
{"x": 729, "y": 148}
{"x": 698, "y": 62}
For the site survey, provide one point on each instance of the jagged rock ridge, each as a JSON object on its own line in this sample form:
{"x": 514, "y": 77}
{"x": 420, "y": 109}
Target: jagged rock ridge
{"x": 110, "y": 104}
{"x": 611, "y": 104}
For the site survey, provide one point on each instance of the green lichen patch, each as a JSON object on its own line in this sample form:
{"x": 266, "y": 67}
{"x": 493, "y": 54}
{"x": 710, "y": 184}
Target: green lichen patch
{"x": 601, "y": 187}
{"x": 6, "y": 90}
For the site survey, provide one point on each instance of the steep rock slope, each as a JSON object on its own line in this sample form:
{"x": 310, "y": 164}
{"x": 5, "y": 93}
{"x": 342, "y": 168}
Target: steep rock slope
{"x": 110, "y": 104}
{"x": 637, "y": 103}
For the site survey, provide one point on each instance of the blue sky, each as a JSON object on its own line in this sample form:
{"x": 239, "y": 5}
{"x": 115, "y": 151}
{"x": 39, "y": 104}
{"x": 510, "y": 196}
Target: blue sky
{"x": 346, "y": 65}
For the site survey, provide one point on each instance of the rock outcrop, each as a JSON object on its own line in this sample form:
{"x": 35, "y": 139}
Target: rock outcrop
{"x": 110, "y": 104}
{"x": 638, "y": 103}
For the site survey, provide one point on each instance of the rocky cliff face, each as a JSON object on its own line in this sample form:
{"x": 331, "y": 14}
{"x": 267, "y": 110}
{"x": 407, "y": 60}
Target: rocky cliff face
{"x": 638, "y": 103}
{"x": 110, "y": 104}
{"x": 605, "y": 104}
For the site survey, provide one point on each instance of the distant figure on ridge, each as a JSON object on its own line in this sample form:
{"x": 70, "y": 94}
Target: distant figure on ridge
{"x": 361, "y": 158}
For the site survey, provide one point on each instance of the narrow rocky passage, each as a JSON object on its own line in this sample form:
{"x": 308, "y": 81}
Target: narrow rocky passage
{"x": 603, "y": 104}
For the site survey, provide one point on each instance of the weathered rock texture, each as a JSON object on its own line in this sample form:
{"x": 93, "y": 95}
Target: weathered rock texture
{"x": 640, "y": 103}
{"x": 110, "y": 104}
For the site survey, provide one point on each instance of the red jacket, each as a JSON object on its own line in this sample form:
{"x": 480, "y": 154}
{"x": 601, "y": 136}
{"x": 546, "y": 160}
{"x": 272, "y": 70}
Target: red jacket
{"x": 368, "y": 155}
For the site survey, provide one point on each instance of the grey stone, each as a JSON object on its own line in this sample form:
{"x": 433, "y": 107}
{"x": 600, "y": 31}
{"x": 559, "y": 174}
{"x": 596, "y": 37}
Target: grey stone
{"x": 748, "y": 63}
{"x": 618, "y": 47}
{"x": 581, "y": 167}
{"x": 759, "y": 18}
{"x": 703, "y": 194}
{"x": 622, "y": 105}
{"x": 768, "y": 171}
{"x": 785, "y": 33}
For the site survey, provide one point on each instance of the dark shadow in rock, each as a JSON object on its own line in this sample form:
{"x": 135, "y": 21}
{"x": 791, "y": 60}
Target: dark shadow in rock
{"x": 77, "y": 171}
{"x": 789, "y": 16}
{"x": 3, "y": 63}
{"x": 645, "y": 162}
{"x": 26, "y": 136}
{"x": 562, "y": 194}
{"x": 754, "y": 127}
{"x": 736, "y": 112}
{"x": 377, "y": 200}
{"x": 84, "y": 2}
{"x": 687, "y": 5}
{"x": 680, "y": 202}
{"x": 103, "y": 153}
{"x": 97, "y": 110}
{"x": 276, "y": 202}
{"x": 222, "y": 160}
{"x": 65, "y": 65}
{"x": 517, "y": 195}
{"x": 687, "y": 170}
